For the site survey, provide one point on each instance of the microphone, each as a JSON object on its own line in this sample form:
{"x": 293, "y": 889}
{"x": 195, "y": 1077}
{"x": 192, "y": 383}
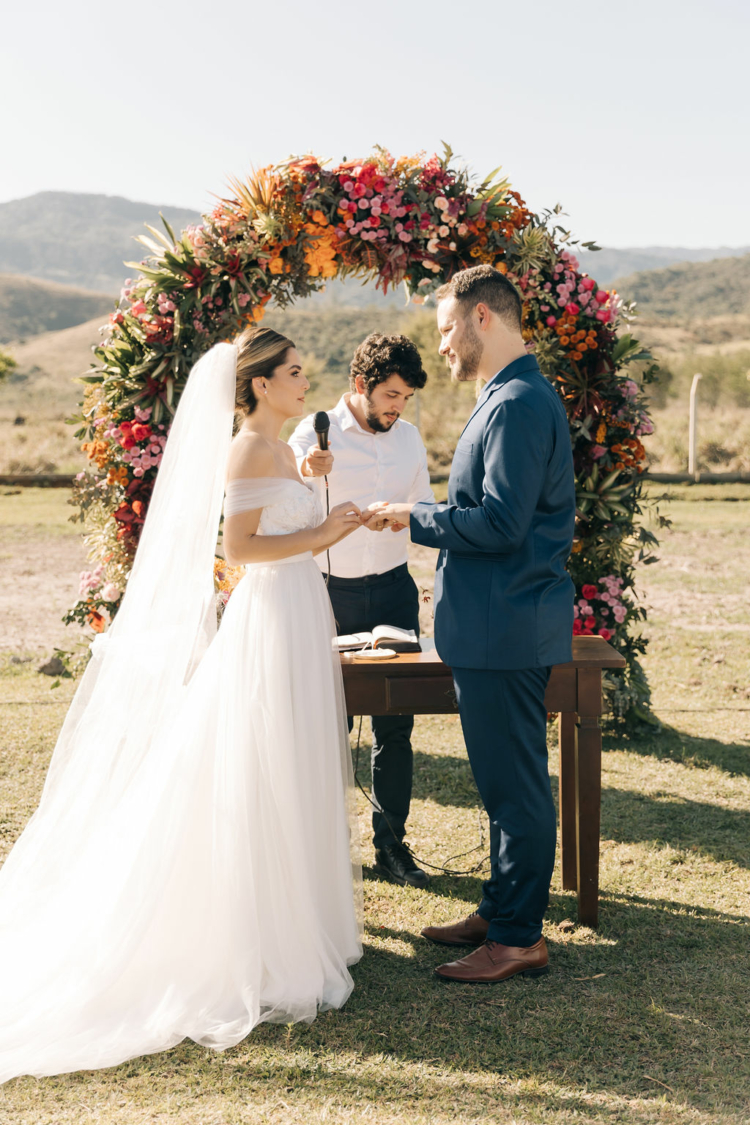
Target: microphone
{"x": 321, "y": 425}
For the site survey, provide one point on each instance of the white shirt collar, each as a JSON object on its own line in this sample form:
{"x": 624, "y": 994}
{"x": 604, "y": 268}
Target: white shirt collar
{"x": 346, "y": 418}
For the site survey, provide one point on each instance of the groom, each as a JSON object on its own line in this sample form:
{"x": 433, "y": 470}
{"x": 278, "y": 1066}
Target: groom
{"x": 503, "y": 609}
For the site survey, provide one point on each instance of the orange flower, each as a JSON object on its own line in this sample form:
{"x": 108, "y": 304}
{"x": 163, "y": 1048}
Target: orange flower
{"x": 276, "y": 265}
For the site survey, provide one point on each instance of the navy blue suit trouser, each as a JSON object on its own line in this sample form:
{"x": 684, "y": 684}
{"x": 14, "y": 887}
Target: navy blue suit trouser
{"x": 504, "y": 721}
{"x": 359, "y": 604}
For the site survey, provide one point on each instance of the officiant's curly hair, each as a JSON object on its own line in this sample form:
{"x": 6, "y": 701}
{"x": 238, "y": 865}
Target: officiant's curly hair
{"x": 261, "y": 351}
{"x": 378, "y": 357}
{"x": 485, "y": 285}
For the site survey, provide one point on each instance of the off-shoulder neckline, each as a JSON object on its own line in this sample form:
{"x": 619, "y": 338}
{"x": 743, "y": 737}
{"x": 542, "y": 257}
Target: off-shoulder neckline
{"x": 257, "y": 480}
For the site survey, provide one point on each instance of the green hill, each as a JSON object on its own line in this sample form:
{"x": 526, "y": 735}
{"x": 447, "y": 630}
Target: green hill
{"x": 691, "y": 290}
{"x": 29, "y": 306}
{"x": 610, "y": 262}
{"x": 78, "y": 239}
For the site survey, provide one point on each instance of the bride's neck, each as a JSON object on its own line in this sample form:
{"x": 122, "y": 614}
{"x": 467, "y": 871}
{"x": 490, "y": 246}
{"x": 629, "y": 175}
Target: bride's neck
{"x": 266, "y": 422}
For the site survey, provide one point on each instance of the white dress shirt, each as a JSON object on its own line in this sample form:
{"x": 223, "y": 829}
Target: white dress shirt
{"x": 368, "y": 467}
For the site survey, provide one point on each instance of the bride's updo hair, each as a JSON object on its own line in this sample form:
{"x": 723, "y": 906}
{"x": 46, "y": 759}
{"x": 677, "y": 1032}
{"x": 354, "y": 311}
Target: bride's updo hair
{"x": 260, "y": 351}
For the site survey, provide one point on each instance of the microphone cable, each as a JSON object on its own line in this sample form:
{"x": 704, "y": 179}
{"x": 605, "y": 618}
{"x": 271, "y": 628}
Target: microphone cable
{"x": 328, "y": 549}
{"x": 444, "y": 869}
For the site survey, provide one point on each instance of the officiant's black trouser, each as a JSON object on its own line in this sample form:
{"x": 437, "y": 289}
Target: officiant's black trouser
{"x": 359, "y": 604}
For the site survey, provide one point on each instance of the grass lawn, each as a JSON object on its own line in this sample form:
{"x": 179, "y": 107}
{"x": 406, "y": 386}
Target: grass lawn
{"x": 644, "y": 1020}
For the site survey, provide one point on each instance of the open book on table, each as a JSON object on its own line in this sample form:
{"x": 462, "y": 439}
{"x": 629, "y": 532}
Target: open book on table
{"x": 382, "y": 636}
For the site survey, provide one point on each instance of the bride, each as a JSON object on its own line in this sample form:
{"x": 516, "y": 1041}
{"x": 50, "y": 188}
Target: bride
{"x": 191, "y": 869}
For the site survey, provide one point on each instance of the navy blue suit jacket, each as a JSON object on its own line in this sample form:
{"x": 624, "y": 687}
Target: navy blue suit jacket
{"x": 503, "y": 598}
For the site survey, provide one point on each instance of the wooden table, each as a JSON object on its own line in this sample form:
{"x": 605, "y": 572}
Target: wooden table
{"x": 420, "y": 684}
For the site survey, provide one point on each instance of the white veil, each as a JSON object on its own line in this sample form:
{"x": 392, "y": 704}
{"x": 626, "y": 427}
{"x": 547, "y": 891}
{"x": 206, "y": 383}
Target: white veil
{"x": 166, "y": 621}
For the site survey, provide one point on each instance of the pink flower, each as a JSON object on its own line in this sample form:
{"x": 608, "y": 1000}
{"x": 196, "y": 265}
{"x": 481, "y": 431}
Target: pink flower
{"x": 598, "y": 451}
{"x": 551, "y": 321}
{"x": 602, "y": 315}
{"x": 573, "y": 309}
{"x": 602, "y": 296}
{"x": 588, "y": 283}
{"x": 243, "y": 299}
{"x": 110, "y": 592}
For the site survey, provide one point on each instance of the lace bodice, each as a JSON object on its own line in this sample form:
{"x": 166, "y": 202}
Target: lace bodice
{"x": 288, "y": 505}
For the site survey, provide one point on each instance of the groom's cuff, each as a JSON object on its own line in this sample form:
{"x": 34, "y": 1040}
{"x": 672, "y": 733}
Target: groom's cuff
{"x": 422, "y": 523}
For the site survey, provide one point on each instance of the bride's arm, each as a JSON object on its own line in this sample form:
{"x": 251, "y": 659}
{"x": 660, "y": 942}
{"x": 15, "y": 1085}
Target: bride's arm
{"x": 242, "y": 544}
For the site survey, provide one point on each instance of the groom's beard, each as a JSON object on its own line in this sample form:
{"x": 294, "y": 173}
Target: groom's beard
{"x": 467, "y": 363}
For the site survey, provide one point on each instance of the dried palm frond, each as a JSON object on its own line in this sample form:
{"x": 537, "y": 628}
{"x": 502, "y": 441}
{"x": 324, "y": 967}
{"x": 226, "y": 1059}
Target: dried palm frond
{"x": 254, "y": 195}
{"x": 533, "y": 248}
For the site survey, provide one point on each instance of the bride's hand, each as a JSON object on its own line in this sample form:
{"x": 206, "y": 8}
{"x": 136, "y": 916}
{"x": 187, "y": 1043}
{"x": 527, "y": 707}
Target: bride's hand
{"x": 342, "y": 520}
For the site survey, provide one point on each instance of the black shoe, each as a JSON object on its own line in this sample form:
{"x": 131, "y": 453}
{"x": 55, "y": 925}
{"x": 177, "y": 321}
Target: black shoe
{"x": 395, "y": 863}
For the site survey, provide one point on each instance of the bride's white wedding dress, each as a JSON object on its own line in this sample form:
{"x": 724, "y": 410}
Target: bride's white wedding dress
{"x": 192, "y": 874}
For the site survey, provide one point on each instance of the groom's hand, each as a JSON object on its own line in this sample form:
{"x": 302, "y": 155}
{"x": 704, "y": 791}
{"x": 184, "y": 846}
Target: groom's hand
{"x": 394, "y": 516}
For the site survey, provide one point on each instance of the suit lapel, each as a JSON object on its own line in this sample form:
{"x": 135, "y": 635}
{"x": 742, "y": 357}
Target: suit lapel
{"x": 517, "y": 367}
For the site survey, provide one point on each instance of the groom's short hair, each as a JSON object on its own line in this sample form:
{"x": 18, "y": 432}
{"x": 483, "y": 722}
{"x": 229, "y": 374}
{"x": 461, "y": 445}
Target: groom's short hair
{"x": 379, "y": 356}
{"x": 485, "y": 285}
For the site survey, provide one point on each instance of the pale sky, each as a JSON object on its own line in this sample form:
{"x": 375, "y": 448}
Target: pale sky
{"x": 635, "y": 116}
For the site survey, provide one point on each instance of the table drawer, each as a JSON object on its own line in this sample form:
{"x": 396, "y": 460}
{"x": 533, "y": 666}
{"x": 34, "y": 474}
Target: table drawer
{"x": 420, "y": 695}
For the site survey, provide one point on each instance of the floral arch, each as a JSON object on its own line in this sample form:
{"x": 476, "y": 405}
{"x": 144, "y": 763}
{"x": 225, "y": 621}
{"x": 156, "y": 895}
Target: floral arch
{"x": 278, "y": 237}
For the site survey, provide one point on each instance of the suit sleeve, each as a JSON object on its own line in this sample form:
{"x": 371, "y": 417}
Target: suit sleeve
{"x": 516, "y": 448}
{"x": 303, "y": 439}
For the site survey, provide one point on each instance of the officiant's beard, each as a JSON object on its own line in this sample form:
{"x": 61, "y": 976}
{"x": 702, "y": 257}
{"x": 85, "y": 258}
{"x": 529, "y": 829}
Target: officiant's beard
{"x": 468, "y": 357}
{"x": 374, "y": 420}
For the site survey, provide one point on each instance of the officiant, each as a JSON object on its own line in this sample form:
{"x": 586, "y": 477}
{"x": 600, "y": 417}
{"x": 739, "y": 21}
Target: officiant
{"x": 375, "y": 455}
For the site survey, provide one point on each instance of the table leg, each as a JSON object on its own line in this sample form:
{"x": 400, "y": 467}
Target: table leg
{"x": 568, "y": 734}
{"x": 588, "y": 793}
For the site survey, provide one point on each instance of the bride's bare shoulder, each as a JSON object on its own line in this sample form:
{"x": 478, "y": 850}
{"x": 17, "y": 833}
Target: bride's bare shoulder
{"x": 250, "y": 455}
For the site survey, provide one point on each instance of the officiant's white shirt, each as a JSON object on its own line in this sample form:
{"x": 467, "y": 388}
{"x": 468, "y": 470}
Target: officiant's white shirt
{"x": 367, "y": 468}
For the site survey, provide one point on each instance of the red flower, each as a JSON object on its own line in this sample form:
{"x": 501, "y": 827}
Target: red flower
{"x": 198, "y": 276}
{"x": 233, "y": 265}
{"x": 606, "y": 633}
{"x": 572, "y": 309}
{"x": 141, "y": 432}
{"x": 588, "y": 592}
{"x": 577, "y": 627}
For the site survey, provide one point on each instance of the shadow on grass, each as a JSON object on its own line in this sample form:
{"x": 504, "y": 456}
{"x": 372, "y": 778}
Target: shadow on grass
{"x": 677, "y": 746}
{"x": 652, "y": 999}
{"x": 722, "y": 834}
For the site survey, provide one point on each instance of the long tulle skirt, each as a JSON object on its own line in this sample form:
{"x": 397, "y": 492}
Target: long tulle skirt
{"x": 219, "y": 886}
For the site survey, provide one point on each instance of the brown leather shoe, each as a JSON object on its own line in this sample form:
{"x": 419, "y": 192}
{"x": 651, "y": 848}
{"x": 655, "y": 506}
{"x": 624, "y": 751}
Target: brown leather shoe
{"x": 493, "y": 962}
{"x": 469, "y": 931}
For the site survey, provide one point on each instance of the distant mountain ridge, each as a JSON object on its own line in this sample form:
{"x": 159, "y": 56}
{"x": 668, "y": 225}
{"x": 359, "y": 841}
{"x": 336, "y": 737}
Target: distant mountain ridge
{"x": 609, "y": 263}
{"x": 30, "y": 307}
{"x": 78, "y": 239}
{"x": 83, "y": 239}
{"x": 691, "y": 289}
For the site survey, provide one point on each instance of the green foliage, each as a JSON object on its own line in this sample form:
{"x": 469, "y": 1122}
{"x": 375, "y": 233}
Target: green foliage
{"x": 725, "y": 379}
{"x": 7, "y": 365}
